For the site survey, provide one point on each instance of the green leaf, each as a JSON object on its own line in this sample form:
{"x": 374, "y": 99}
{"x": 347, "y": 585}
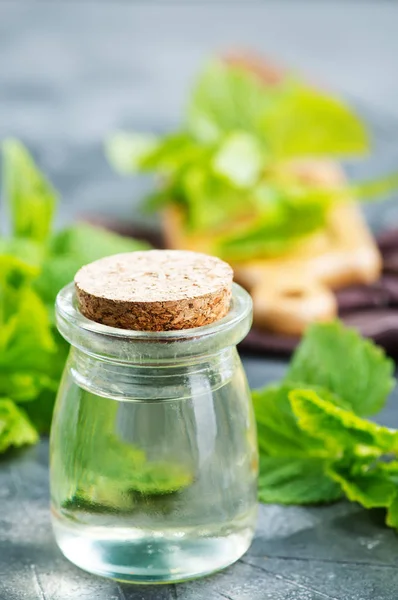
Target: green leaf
{"x": 34, "y": 265}
{"x": 27, "y": 345}
{"x": 156, "y": 478}
{"x": 339, "y": 359}
{"x": 74, "y": 247}
{"x": 127, "y": 151}
{"x": 15, "y": 428}
{"x": 14, "y": 274}
{"x": 392, "y": 513}
{"x": 31, "y": 198}
{"x": 25, "y": 385}
{"x": 341, "y": 428}
{"x": 239, "y": 136}
{"x": 277, "y": 428}
{"x": 26, "y": 341}
{"x": 370, "y": 487}
{"x": 240, "y": 159}
{"x": 227, "y": 98}
{"x": 376, "y": 188}
{"x": 202, "y": 212}
{"x": 284, "y": 218}
{"x": 306, "y": 123}
{"x": 291, "y": 480}
{"x": 29, "y": 252}
{"x": 174, "y": 153}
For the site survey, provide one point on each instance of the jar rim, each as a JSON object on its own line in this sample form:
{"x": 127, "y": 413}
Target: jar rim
{"x": 87, "y": 335}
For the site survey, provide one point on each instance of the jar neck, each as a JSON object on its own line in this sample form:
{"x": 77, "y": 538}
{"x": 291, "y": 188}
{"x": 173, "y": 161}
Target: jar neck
{"x": 152, "y": 381}
{"x": 149, "y": 348}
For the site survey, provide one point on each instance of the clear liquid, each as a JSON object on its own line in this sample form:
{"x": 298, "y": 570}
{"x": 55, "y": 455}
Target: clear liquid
{"x": 148, "y": 491}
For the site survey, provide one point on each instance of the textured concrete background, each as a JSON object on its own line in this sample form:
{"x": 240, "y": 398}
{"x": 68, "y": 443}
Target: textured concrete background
{"x": 72, "y": 72}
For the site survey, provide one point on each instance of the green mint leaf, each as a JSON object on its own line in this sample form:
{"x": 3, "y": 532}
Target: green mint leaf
{"x": 377, "y": 188}
{"x": 201, "y": 189}
{"x": 369, "y": 486}
{"x": 15, "y": 428}
{"x": 34, "y": 265}
{"x": 40, "y": 407}
{"x": 340, "y": 428}
{"x": 14, "y": 274}
{"x": 175, "y": 153}
{"x": 277, "y": 428}
{"x": 156, "y": 478}
{"x": 31, "y": 198}
{"x": 305, "y": 123}
{"x": 74, "y": 247}
{"x": 127, "y": 152}
{"x": 26, "y": 340}
{"x": 240, "y": 159}
{"x": 296, "y": 480}
{"x": 135, "y": 152}
{"x": 28, "y": 252}
{"x": 339, "y": 359}
{"x": 392, "y": 513}
{"x": 227, "y": 98}
{"x": 25, "y": 385}
{"x": 285, "y": 217}
{"x": 87, "y": 243}
{"x": 27, "y": 345}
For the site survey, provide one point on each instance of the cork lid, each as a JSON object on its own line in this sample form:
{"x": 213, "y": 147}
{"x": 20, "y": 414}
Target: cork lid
{"x": 155, "y": 290}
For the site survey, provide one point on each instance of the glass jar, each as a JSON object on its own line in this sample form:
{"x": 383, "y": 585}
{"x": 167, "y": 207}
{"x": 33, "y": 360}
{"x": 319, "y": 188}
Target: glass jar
{"x": 153, "y": 448}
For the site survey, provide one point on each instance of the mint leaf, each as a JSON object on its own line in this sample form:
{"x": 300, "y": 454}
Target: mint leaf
{"x": 169, "y": 155}
{"x": 284, "y": 218}
{"x": 31, "y": 198}
{"x": 156, "y": 478}
{"x": 126, "y": 152}
{"x": 88, "y": 243}
{"x": 277, "y": 428}
{"x": 290, "y": 480}
{"x": 292, "y": 462}
{"x": 305, "y": 122}
{"x": 340, "y": 360}
{"x": 74, "y": 247}
{"x": 14, "y": 273}
{"x": 29, "y": 252}
{"x": 34, "y": 265}
{"x": 370, "y": 487}
{"x": 341, "y": 429}
{"x": 26, "y": 340}
{"x": 313, "y": 447}
{"x": 227, "y": 98}
{"x": 27, "y": 346}
{"x": 175, "y": 153}
{"x": 15, "y": 428}
{"x": 229, "y": 167}
{"x": 376, "y": 188}
{"x": 240, "y": 159}
{"x": 392, "y": 513}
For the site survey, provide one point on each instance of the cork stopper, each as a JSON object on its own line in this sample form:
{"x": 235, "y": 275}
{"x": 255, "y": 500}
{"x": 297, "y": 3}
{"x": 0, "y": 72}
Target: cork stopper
{"x": 155, "y": 290}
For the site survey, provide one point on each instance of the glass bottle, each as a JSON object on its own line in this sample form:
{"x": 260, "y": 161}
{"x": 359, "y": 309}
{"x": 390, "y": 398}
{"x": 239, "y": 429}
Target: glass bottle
{"x": 153, "y": 448}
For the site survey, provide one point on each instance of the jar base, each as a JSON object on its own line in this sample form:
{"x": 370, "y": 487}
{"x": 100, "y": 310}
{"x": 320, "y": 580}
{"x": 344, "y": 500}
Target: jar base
{"x": 144, "y": 557}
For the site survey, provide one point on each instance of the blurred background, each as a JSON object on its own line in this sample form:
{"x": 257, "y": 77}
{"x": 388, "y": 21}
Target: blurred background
{"x": 73, "y": 72}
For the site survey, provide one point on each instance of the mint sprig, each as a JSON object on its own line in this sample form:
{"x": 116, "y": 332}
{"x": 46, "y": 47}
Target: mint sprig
{"x": 339, "y": 359}
{"x": 35, "y": 263}
{"x": 315, "y": 446}
{"x": 229, "y": 167}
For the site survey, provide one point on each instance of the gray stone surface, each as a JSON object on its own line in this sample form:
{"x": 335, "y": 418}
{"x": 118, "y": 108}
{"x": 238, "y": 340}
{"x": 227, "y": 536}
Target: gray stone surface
{"x": 72, "y": 72}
